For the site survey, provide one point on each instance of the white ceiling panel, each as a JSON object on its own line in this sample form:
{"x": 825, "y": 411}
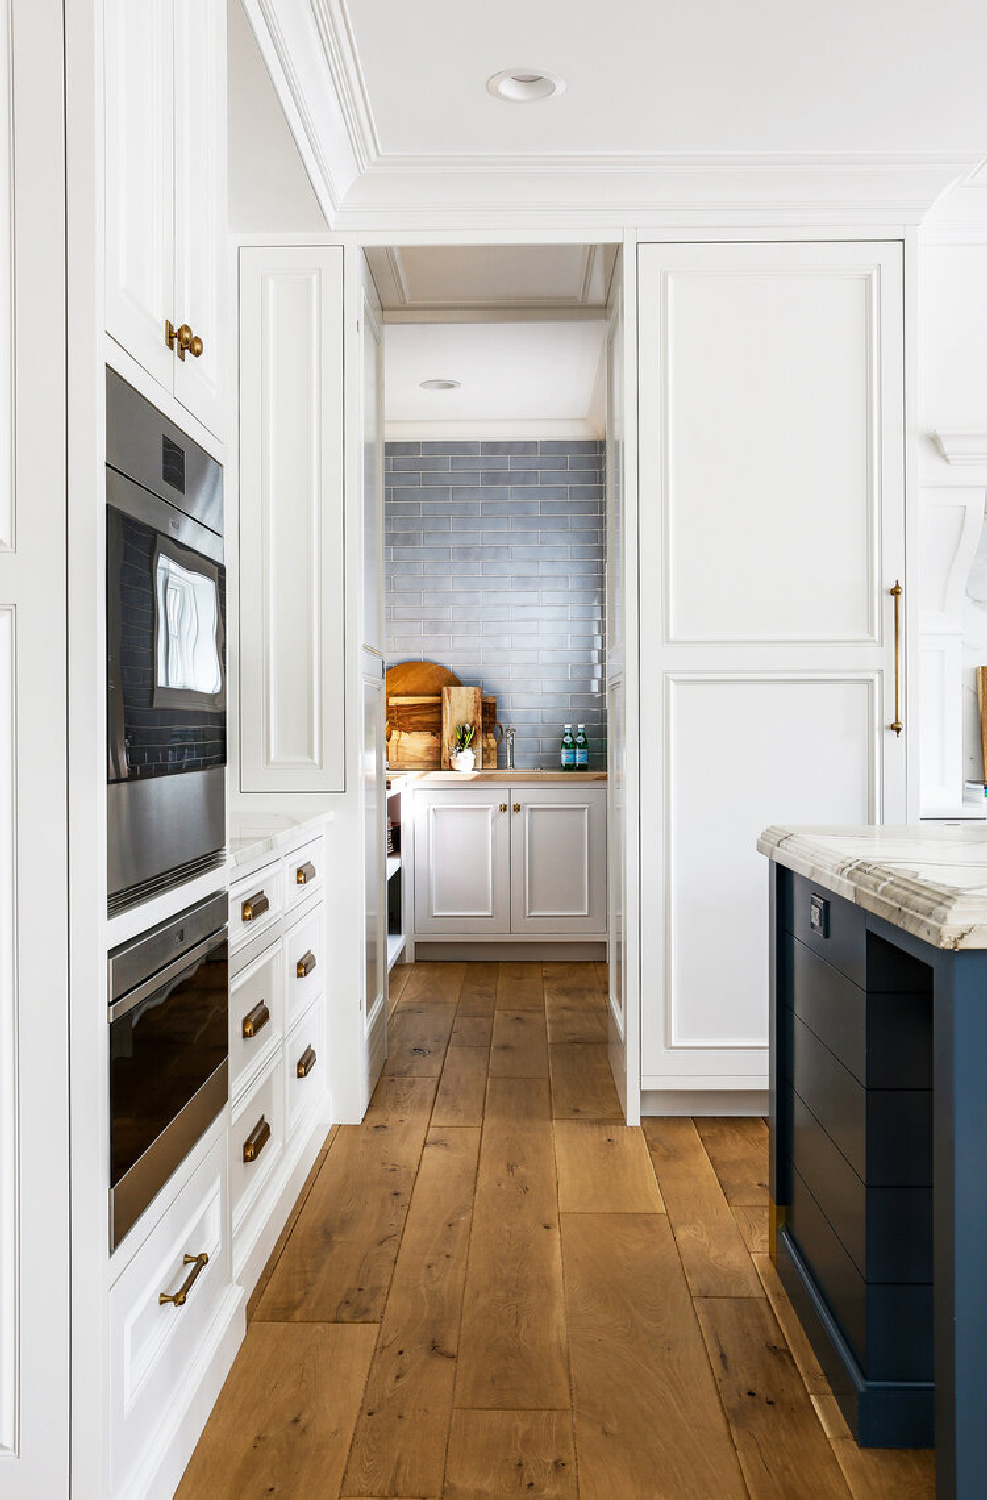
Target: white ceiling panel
{"x": 438, "y": 278}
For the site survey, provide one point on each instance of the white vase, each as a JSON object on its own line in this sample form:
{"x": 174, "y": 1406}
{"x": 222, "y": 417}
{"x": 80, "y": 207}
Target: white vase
{"x": 464, "y": 760}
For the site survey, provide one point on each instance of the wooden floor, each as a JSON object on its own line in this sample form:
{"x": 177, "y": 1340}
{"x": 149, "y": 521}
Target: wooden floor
{"x": 493, "y": 1288}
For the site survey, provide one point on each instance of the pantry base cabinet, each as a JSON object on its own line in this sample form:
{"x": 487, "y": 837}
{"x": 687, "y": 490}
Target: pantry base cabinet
{"x": 511, "y": 862}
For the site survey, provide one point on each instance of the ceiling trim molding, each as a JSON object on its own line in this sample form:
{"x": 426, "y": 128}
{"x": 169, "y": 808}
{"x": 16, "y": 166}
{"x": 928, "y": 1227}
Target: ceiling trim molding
{"x": 589, "y": 263}
{"x": 395, "y": 264}
{"x": 507, "y": 429}
{"x": 336, "y": 34}
{"x": 274, "y": 49}
{"x": 528, "y": 312}
{"x": 962, "y": 447}
{"x": 963, "y": 165}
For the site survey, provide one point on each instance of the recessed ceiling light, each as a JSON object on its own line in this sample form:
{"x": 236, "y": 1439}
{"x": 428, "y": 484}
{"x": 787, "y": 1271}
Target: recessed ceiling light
{"x": 440, "y": 385}
{"x": 525, "y": 85}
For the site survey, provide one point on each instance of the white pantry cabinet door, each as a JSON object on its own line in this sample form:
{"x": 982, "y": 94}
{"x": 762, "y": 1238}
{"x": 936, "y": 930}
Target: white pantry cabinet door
{"x": 374, "y": 897}
{"x": 559, "y": 860}
{"x": 200, "y": 201}
{"x": 462, "y": 862}
{"x": 372, "y": 402}
{"x": 34, "y": 1141}
{"x": 771, "y": 529}
{"x": 140, "y": 185}
{"x": 291, "y": 519}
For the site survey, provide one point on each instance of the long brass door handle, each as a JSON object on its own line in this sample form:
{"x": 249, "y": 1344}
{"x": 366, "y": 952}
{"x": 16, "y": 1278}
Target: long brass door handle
{"x": 254, "y": 907}
{"x": 256, "y": 1140}
{"x": 255, "y": 1020}
{"x": 179, "y": 1298}
{"x": 306, "y": 1062}
{"x": 895, "y": 593}
{"x": 305, "y": 965}
{"x": 305, "y": 873}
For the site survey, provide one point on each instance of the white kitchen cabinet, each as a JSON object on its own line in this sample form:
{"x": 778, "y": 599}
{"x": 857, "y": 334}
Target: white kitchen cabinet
{"x": 291, "y": 653}
{"x": 165, "y": 191}
{"x": 501, "y": 861}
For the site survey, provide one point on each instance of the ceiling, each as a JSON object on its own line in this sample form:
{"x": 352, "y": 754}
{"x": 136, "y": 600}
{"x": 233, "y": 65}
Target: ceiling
{"x": 422, "y": 282}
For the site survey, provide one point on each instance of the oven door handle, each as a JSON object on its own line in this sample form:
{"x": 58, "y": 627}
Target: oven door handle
{"x": 187, "y": 964}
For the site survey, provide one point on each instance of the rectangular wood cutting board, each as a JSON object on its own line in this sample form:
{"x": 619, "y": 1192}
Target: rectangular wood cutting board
{"x": 461, "y": 705}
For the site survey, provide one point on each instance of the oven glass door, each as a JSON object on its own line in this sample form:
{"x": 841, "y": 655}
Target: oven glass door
{"x": 167, "y": 1039}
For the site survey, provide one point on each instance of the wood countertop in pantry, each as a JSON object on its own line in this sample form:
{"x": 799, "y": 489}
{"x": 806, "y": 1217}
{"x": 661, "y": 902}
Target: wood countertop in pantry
{"x": 397, "y": 780}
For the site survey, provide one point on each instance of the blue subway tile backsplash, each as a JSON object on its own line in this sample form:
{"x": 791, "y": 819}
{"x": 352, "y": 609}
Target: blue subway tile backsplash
{"x": 510, "y": 535}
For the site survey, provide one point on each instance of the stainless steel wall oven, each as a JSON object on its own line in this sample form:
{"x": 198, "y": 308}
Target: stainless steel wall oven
{"x": 169, "y": 1052}
{"x": 166, "y": 651}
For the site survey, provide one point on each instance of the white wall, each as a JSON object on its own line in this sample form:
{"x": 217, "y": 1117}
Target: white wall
{"x": 269, "y": 190}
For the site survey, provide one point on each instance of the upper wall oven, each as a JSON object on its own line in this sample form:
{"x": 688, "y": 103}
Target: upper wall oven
{"x": 165, "y": 649}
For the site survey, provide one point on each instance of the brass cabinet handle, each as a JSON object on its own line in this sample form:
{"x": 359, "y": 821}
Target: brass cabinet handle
{"x": 517, "y": 807}
{"x": 895, "y": 593}
{"x": 179, "y": 1298}
{"x": 255, "y": 1020}
{"x": 306, "y": 1062}
{"x": 305, "y": 964}
{"x": 256, "y": 1140}
{"x": 503, "y": 807}
{"x": 254, "y": 907}
{"x": 305, "y": 873}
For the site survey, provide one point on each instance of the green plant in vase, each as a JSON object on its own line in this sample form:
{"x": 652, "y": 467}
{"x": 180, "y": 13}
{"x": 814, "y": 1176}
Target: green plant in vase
{"x": 464, "y": 756}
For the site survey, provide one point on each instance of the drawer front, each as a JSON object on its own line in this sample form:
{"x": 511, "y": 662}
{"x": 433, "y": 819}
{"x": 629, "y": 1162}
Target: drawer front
{"x": 305, "y": 1049}
{"x": 256, "y": 904}
{"x": 253, "y": 1039}
{"x": 304, "y": 872}
{"x": 305, "y": 962}
{"x": 833, "y": 928}
{"x": 154, "y": 1343}
{"x": 833, "y": 1007}
{"x": 258, "y": 1126}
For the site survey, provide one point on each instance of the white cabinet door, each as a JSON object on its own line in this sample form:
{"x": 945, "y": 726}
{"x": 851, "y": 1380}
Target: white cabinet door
{"x": 772, "y": 527}
{"x": 140, "y": 188}
{"x": 559, "y": 860}
{"x": 374, "y": 899}
{"x": 200, "y": 201}
{"x": 372, "y": 400}
{"x": 291, "y": 519}
{"x": 462, "y": 862}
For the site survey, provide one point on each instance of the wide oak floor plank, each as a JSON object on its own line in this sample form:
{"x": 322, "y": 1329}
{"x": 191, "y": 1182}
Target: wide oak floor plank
{"x": 397, "y": 980}
{"x": 569, "y": 1025}
{"x": 462, "y": 1087}
{"x": 604, "y": 1169}
{"x": 285, "y": 1235}
{"x": 519, "y": 987}
{"x": 648, "y": 1420}
{"x": 582, "y": 1084}
{"x": 434, "y": 984}
{"x": 471, "y": 1031}
{"x": 478, "y": 995}
{"x": 417, "y": 1038}
{"x": 572, "y": 985}
{"x": 519, "y": 1048}
{"x": 400, "y": 1440}
{"x": 738, "y": 1149}
{"x": 498, "y": 1453}
{"x": 717, "y": 1263}
{"x": 810, "y": 1369}
{"x": 752, "y": 1221}
{"x": 284, "y": 1419}
{"x": 781, "y": 1444}
{"x": 877, "y": 1473}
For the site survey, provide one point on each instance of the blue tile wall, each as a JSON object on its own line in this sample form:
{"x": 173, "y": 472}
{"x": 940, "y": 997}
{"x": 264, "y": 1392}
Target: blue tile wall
{"x": 494, "y": 566}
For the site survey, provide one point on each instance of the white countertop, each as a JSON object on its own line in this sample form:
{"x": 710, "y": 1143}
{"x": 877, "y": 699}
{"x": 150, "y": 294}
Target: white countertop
{"x": 930, "y": 879}
{"x": 253, "y": 836}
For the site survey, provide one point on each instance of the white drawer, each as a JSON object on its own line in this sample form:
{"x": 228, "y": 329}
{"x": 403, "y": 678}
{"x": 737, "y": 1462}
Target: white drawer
{"x": 256, "y": 1140}
{"x": 305, "y": 1065}
{"x": 305, "y": 962}
{"x": 255, "y": 1015}
{"x": 154, "y": 1343}
{"x": 256, "y": 903}
{"x": 304, "y": 872}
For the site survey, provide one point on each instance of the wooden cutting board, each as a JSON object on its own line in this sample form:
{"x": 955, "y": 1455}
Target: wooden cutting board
{"x": 461, "y": 705}
{"x": 413, "y": 678}
{"x": 414, "y": 717}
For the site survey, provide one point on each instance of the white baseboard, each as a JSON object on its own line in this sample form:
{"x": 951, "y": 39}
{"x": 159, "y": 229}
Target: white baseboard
{"x": 534, "y": 950}
{"x": 680, "y": 1102}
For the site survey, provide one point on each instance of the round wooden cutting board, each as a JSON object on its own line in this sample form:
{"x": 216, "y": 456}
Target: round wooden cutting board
{"x": 411, "y": 679}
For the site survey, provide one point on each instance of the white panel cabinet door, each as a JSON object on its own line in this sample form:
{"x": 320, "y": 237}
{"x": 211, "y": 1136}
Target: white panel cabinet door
{"x": 372, "y": 403}
{"x": 559, "y": 860}
{"x": 200, "y": 201}
{"x": 291, "y": 520}
{"x": 462, "y": 862}
{"x": 140, "y": 180}
{"x": 772, "y": 528}
{"x": 34, "y": 1084}
{"x": 374, "y": 899}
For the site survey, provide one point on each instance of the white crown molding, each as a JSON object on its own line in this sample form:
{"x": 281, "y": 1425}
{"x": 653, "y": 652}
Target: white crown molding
{"x": 336, "y": 33}
{"x": 962, "y": 447}
{"x": 500, "y": 312}
{"x": 959, "y": 166}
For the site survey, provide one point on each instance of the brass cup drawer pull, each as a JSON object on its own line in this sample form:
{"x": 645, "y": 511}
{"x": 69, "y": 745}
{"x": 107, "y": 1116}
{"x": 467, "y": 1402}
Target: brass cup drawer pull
{"x": 254, "y": 907}
{"x": 305, "y": 873}
{"x": 256, "y": 1140}
{"x": 179, "y": 1298}
{"x": 255, "y": 1020}
{"x": 305, "y": 965}
{"x": 306, "y": 1062}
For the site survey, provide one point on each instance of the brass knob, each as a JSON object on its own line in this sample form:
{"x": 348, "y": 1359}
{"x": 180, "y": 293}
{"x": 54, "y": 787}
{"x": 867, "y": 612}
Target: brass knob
{"x": 183, "y": 337}
{"x": 196, "y": 346}
{"x": 517, "y": 807}
{"x": 503, "y": 807}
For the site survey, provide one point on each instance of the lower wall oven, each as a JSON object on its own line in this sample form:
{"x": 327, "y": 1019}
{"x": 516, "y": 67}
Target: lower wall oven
{"x": 169, "y": 1052}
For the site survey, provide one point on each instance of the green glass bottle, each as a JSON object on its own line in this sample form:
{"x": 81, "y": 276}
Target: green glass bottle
{"x": 582, "y": 748}
{"x": 568, "y": 753}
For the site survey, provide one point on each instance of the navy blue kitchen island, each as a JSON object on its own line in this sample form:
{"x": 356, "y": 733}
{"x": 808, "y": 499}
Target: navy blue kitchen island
{"x": 878, "y": 1127}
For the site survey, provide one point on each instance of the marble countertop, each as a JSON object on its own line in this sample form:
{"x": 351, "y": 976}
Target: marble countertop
{"x": 254, "y": 834}
{"x": 928, "y": 879}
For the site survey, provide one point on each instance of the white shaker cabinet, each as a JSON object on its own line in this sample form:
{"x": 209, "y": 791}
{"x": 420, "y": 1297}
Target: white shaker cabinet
{"x": 462, "y": 861}
{"x": 165, "y": 192}
{"x": 558, "y": 860}
{"x": 291, "y": 664}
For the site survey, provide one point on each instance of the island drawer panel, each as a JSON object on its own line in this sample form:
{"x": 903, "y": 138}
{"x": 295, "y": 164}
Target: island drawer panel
{"x": 883, "y": 1036}
{"x": 887, "y": 1231}
{"x": 885, "y": 1134}
{"x": 889, "y": 1327}
{"x": 842, "y": 938}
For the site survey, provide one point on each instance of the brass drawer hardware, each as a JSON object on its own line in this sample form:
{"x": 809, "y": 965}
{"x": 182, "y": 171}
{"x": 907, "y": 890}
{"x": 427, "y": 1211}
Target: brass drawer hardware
{"x": 256, "y": 1019}
{"x": 254, "y": 907}
{"x": 184, "y": 338}
{"x": 503, "y": 807}
{"x": 517, "y": 807}
{"x": 256, "y": 1140}
{"x": 179, "y": 1298}
{"x": 305, "y": 964}
{"x": 305, "y": 873}
{"x": 895, "y": 593}
{"x": 306, "y": 1062}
